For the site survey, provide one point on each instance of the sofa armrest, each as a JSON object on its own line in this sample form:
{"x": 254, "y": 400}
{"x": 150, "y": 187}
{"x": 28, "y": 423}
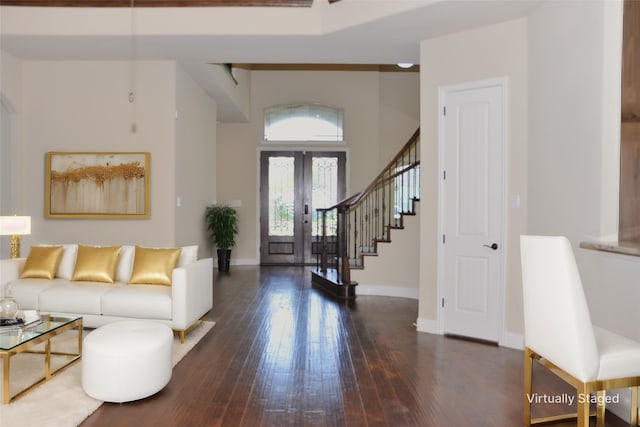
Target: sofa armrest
{"x": 191, "y": 292}
{"x": 10, "y": 270}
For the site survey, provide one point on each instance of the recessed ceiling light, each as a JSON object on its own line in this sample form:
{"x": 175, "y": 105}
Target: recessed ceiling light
{"x": 405, "y": 64}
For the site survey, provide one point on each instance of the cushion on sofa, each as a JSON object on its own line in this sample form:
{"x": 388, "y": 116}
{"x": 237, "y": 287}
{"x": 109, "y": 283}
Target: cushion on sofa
{"x": 74, "y": 297}
{"x": 154, "y": 266}
{"x": 26, "y": 291}
{"x": 188, "y": 255}
{"x": 139, "y": 301}
{"x": 96, "y": 263}
{"x": 42, "y": 262}
{"x": 125, "y": 264}
{"x": 67, "y": 262}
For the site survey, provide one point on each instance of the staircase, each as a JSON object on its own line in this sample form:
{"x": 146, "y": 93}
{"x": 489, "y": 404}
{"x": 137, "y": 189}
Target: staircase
{"x": 353, "y": 229}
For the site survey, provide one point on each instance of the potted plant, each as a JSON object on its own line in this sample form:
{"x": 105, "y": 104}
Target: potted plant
{"x": 222, "y": 223}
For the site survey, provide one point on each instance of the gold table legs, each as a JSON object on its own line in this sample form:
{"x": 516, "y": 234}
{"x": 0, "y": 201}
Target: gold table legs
{"x": 26, "y": 346}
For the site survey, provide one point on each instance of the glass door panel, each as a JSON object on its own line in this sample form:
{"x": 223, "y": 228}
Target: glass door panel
{"x": 280, "y": 190}
{"x": 327, "y": 187}
{"x": 281, "y": 195}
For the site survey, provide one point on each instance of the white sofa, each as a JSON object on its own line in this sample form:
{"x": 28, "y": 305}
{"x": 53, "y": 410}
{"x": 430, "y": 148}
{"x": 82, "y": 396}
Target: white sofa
{"x": 180, "y": 305}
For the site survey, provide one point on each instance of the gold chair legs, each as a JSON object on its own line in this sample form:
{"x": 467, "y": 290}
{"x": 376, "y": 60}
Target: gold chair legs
{"x": 528, "y": 374}
{"x": 635, "y": 406}
{"x": 583, "y": 390}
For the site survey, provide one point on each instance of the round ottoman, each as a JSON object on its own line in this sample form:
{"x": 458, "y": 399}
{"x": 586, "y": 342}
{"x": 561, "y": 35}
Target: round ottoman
{"x": 127, "y": 360}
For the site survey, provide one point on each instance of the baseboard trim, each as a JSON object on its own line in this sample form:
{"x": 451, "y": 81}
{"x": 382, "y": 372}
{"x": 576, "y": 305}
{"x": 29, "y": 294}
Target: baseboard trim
{"x": 387, "y": 291}
{"x": 427, "y": 325}
{"x": 509, "y": 340}
{"x": 241, "y": 261}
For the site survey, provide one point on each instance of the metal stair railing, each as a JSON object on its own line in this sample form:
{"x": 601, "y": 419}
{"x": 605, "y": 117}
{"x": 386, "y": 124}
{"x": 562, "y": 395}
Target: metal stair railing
{"x": 352, "y": 228}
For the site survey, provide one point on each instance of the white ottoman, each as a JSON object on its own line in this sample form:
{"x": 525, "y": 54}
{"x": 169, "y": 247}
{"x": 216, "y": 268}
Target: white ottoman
{"x": 127, "y": 360}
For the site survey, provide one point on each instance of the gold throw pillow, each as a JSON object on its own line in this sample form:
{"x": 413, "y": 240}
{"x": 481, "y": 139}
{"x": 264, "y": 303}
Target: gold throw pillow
{"x": 42, "y": 262}
{"x": 96, "y": 263}
{"x": 154, "y": 266}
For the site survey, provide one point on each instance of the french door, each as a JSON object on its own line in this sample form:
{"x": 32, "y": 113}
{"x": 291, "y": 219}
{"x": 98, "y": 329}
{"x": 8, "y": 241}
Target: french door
{"x": 293, "y": 184}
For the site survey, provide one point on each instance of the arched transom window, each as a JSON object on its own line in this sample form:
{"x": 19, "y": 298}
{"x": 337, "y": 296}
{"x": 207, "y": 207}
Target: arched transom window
{"x": 303, "y": 122}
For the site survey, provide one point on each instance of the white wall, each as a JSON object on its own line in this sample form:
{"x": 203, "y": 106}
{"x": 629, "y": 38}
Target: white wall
{"x": 565, "y": 118}
{"x": 367, "y": 99}
{"x": 83, "y": 106}
{"x": 11, "y": 200}
{"x": 399, "y": 106}
{"x": 9, "y": 105}
{"x": 195, "y": 161}
{"x": 10, "y": 79}
{"x": 563, "y": 162}
{"x": 484, "y": 53}
{"x": 574, "y": 136}
{"x": 395, "y": 270}
{"x": 574, "y": 146}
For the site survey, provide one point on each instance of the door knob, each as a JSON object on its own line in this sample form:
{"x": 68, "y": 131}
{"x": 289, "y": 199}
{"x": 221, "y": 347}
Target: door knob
{"x": 493, "y": 246}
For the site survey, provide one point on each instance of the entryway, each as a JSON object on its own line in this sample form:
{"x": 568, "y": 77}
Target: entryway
{"x": 293, "y": 184}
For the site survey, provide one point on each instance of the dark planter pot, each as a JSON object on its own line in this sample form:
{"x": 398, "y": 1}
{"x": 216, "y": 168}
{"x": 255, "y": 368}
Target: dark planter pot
{"x": 224, "y": 260}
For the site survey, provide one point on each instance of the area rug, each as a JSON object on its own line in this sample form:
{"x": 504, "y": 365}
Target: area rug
{"x": 61, "y": 402}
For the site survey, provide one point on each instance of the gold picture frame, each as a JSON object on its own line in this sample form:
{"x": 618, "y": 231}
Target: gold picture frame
{"x": 97, "y": 185}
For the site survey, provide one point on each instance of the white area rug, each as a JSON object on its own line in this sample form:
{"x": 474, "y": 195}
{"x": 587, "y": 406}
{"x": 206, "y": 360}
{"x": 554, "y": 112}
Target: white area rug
{"x": 61, "y": 402}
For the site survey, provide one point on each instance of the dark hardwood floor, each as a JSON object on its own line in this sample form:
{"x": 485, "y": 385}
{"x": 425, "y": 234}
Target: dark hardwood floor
{"x": 284, "y": 354}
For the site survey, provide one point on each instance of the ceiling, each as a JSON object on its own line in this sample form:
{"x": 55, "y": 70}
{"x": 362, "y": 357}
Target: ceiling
{"x": 161, "y": 3}
{"x": 327, "y": 32}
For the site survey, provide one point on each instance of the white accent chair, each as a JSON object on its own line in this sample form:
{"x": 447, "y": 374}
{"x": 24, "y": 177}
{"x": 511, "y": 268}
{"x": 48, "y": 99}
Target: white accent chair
{"x": 560, "y": 336}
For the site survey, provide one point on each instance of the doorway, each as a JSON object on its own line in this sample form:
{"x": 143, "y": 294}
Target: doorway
{"x": 472, "y": 146}
{"x": 293, "y": 184}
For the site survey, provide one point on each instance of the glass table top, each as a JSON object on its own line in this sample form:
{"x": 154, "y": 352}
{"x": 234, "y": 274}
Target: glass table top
{"x": 12, "y": 337}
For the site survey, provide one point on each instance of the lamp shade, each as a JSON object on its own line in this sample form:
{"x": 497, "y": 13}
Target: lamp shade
{"x": 15, "y": 225}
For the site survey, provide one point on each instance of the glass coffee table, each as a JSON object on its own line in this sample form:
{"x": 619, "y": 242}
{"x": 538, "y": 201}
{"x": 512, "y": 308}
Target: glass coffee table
{"x": 23, "y": 340}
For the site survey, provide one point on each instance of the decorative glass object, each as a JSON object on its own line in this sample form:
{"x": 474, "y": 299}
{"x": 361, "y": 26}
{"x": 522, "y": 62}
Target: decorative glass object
{"x": 8, "y": 305}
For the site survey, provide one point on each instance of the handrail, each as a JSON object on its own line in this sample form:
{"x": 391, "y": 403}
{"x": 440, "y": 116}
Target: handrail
{"x": 393, "y": 161}
{"x": 358, "y": 196}
{"x": 343, "y": 202}
{"x": 353, "y": 226}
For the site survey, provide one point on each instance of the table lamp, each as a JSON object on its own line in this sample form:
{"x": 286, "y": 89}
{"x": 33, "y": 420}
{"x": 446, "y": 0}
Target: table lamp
{"x": 15, "y": 226}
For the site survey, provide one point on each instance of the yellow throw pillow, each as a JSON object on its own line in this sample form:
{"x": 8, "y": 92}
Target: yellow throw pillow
{"x": 42, "y": 262}
{"x": 154, "y": 266}
{"x": 96, "y": 263}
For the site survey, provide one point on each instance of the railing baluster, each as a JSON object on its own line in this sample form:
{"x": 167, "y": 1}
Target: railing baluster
{"x": 392, "y": 216}
{"x": 323, "y": 254}
{"x": 376, "y": 202}
{"x": 368, "y": 216}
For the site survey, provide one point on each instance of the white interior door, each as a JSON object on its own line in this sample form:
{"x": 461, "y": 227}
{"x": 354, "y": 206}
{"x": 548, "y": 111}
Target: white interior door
{"x": 472, "y": 141}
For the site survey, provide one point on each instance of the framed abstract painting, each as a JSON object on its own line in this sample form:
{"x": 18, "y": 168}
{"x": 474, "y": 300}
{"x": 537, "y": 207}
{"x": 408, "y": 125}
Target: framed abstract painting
{"x": 97, "y": 185}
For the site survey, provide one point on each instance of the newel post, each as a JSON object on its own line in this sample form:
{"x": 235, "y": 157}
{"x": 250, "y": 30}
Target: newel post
{"x": 343, "y": 253}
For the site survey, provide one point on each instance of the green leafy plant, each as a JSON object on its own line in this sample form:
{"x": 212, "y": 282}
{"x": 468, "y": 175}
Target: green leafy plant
{"x": 222, "y": 223}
